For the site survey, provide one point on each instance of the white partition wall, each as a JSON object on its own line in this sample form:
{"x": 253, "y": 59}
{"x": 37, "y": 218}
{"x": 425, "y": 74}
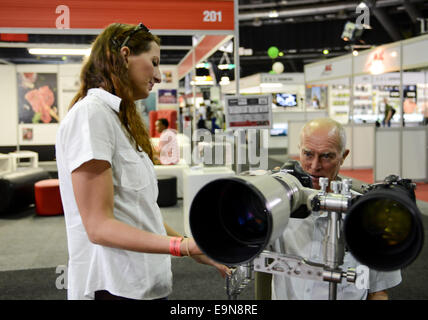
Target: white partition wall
{"x": 294, "y": 128}
{"x": 363, "y": 139}
{"x": 334, "y": 68}
{"x": 68, "y": 86}
{"x": 414, "y": 153}
{"x": 407, "y": 158}
{"x": 401, "y": 151}
{"x": 414, "y": 52}
{"x": 8, "y": 102}
{"x": 347, "y": 164}
{"x": 387, "y": 155}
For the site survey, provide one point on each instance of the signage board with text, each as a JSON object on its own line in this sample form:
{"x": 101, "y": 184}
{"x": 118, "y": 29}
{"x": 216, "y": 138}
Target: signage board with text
{"x": 248, "y": 112}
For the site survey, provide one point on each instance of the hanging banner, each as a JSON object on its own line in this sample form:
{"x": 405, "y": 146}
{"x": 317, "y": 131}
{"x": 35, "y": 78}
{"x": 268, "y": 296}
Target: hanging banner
{"x": 46, "y": 15}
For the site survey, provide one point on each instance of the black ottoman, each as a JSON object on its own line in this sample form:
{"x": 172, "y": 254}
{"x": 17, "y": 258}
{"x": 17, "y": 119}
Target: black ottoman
{"x": 17, "y": 188}
{"x": 167, "y": 186}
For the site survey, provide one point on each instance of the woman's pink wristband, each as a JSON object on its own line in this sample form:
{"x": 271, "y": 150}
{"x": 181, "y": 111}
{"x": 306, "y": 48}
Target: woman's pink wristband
{"x": 174, "y": 246}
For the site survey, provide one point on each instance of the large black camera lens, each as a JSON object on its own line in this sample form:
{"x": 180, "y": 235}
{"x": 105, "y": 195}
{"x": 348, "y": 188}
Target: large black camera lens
{"x": 383, "y": 229}
{"x": 243, "y": 217}
{"x": 229, "y": 221}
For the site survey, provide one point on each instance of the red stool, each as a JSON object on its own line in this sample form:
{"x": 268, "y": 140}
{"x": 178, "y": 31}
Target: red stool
{"x": 48, "y": 198}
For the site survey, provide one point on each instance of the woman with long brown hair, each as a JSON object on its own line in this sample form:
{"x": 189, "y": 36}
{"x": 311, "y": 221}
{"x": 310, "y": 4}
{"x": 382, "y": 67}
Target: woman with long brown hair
{"x": 119, "y": 246}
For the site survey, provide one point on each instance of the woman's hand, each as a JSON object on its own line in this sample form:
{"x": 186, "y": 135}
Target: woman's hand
{"x": 189, "y": 248}
{"x": 203, "y": 259}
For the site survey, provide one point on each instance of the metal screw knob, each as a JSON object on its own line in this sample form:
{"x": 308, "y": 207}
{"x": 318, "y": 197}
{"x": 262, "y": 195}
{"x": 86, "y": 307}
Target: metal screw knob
{"x": 336, "y": 186}
{"x": 346, "y": 186}
{"x": 323, "y": 184}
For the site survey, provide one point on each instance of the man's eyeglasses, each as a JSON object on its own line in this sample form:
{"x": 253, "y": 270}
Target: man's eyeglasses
{"x": 136, "y": 29}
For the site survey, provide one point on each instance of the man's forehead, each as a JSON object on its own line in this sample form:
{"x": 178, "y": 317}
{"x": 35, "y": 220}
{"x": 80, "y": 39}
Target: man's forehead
{"x": 320, "y": 150}
{"x": 326, "y": 137}
{"x": 319, "y": 145}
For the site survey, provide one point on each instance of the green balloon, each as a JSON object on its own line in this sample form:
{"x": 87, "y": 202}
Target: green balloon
{"x": 273, "y": 52}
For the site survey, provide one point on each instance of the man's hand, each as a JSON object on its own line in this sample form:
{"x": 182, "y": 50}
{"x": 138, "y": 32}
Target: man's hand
{"x": 380, "y": 295}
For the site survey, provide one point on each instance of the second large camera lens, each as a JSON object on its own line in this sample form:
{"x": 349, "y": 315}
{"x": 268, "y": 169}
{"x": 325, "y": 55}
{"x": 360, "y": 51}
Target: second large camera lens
{"x": 383, "y": 229}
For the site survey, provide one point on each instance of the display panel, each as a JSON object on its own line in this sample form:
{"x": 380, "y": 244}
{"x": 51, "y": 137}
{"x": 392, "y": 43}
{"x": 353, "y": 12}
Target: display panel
{"x": 286, "y": 100}
{"x": 279, "y": 129}
{"x": 316, "y": 96}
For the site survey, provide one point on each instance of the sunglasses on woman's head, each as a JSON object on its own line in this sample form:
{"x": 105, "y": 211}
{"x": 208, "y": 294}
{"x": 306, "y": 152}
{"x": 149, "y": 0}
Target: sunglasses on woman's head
{"x": 140, "y": 26}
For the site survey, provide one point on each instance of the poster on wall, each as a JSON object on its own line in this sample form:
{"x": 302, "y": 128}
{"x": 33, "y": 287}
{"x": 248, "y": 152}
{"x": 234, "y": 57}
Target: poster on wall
{"x": 37, "y": 97}
{"x": 167, "y": 76}
{"x": 27, "y": 134}
{"x": 167, "y": 96}
{"x": 316, "y": 96}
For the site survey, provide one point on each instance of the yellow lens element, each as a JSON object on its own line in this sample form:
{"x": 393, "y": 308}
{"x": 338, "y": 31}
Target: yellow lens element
{"x": 387, "y": 220}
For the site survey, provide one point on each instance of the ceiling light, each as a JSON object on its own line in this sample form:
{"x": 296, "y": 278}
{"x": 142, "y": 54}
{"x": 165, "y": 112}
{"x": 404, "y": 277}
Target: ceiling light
{"x": 60, "y": 51}
{"x": 377, "y": 67}
{"x": 248, "y": 52}
{"x": 273, "y": 14}
{"x": 257, "y": 22}
{"x": 224, "y": 81}
{"x": 362, "y": 5}
{"x": 203, "y": 65}
{"x": 202, "y": 81}
{"x": 325, "y": 51}
{"x": 226, "y": 66}
{"x": 355, "y": 53}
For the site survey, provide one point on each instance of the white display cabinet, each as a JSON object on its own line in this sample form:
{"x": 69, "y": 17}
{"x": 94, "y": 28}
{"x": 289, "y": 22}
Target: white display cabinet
{"x": 339, "y": 102}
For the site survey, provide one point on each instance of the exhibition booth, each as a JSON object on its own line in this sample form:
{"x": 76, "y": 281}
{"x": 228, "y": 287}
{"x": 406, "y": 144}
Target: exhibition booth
{"x": 395, "y": 74}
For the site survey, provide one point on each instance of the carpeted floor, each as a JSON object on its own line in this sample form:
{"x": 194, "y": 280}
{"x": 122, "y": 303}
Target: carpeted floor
{"x": 191, "y": 281}
{"x": 366, "y": 175}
